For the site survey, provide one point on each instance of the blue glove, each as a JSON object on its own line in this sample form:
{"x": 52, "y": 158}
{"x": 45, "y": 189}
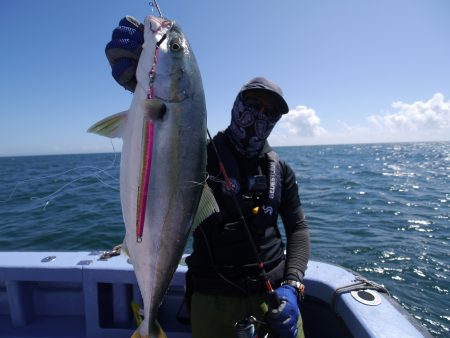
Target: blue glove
{"x": 284, "y": 319}
{"x": 123, "y": 51}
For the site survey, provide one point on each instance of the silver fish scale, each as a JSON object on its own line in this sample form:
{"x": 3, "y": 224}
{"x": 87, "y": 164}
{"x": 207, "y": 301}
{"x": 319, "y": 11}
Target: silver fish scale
{"x": 178, "y": 164}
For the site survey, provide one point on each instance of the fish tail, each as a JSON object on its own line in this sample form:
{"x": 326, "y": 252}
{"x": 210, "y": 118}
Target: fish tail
{"x": 136, "y": 334}
{"x": 155, "y": 332}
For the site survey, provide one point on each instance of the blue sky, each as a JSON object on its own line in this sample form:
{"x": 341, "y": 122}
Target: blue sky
{"x": 352, "y": 71}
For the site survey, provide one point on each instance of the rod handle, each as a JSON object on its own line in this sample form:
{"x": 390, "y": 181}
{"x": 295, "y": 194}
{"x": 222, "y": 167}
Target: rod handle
{"x": 273, "y": 300}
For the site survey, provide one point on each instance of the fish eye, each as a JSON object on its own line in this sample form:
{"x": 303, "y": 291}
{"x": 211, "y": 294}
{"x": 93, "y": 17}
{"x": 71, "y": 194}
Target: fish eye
{"x": 176, "y": 41}
{"x": 175, "y": 47}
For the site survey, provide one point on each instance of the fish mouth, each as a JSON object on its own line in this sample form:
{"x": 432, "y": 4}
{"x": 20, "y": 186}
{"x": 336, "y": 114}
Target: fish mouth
{"x": 158, "y": 24}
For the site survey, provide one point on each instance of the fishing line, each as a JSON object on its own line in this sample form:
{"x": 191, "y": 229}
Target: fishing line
{"x": 48, "y": 198}
{"x": 11, "y": 195}
{"x": 54, "y": 194}
{"x": 202, "y": 182}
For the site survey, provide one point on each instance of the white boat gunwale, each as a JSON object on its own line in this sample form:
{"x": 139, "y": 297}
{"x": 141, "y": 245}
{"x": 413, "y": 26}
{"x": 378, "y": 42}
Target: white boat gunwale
{"x": 77, "y": 295}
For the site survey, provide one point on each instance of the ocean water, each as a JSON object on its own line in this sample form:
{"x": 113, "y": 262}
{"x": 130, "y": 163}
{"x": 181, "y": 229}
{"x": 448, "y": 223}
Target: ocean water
{"x": 379, "y": 209}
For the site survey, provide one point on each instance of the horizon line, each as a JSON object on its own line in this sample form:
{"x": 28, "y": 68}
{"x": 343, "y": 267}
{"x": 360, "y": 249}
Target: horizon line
{"x": 273, "y": 146}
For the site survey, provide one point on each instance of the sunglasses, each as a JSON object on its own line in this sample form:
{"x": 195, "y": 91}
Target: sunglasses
{"x": 270, "y": 111}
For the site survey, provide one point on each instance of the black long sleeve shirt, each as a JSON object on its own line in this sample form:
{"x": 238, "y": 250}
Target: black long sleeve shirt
{"x": 222, "y": 243}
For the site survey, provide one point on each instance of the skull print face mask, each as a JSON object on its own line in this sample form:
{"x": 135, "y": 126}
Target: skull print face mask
{"x": 251, "y": 124}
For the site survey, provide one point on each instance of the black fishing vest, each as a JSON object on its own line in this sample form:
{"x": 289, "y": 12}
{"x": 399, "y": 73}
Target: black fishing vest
{"x": 223, "y": 241}
{"x": 243, "y": 173}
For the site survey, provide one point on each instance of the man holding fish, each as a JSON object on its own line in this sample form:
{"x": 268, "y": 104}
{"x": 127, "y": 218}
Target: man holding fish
{"x": 238, "y": 251}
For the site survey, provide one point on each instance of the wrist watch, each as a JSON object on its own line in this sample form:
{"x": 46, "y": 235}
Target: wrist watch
{"x": 299, "y": 287}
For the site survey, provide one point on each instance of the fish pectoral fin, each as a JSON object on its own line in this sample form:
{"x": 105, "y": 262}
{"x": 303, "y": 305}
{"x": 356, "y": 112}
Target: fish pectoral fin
{"x": 206, "y": 207}
{"x": 111, "y": 126}
{"x": 154, "y": 108}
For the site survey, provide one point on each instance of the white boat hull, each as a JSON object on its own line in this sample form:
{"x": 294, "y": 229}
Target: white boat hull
{"x": 74, "y": 294}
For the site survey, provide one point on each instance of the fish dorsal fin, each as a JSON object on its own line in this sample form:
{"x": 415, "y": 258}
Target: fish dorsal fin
{"x": 111, "y": 126}
{"x": 154, "y": 108}
{"x": 207, "y": 206}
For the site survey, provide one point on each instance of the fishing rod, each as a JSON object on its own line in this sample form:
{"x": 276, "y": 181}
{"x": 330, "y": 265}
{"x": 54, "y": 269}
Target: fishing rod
{"x": 273, "y": 299}
{"x": 154, "y": 3}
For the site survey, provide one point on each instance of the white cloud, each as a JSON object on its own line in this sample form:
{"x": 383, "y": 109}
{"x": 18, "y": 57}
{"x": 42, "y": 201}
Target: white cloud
{"x": 433, "y": 114}
{"x": 417, "y": 121}
{"x": 302, "y": 122}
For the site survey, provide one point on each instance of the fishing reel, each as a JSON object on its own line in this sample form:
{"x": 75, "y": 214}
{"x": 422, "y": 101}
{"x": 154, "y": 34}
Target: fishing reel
{"x": 246, "y": 328}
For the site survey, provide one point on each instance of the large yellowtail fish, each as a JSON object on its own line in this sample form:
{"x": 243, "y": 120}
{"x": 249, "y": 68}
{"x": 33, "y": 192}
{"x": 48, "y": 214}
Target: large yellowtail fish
{"x": 163, "y": 162}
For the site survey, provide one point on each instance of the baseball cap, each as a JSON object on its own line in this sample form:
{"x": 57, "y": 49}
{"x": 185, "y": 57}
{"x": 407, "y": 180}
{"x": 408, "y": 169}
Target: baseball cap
{"x": 263, "y": 84}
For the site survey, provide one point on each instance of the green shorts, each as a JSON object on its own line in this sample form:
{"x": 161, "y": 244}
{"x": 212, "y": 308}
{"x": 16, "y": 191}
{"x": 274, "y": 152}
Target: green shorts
{"x": 215, "y": 316}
